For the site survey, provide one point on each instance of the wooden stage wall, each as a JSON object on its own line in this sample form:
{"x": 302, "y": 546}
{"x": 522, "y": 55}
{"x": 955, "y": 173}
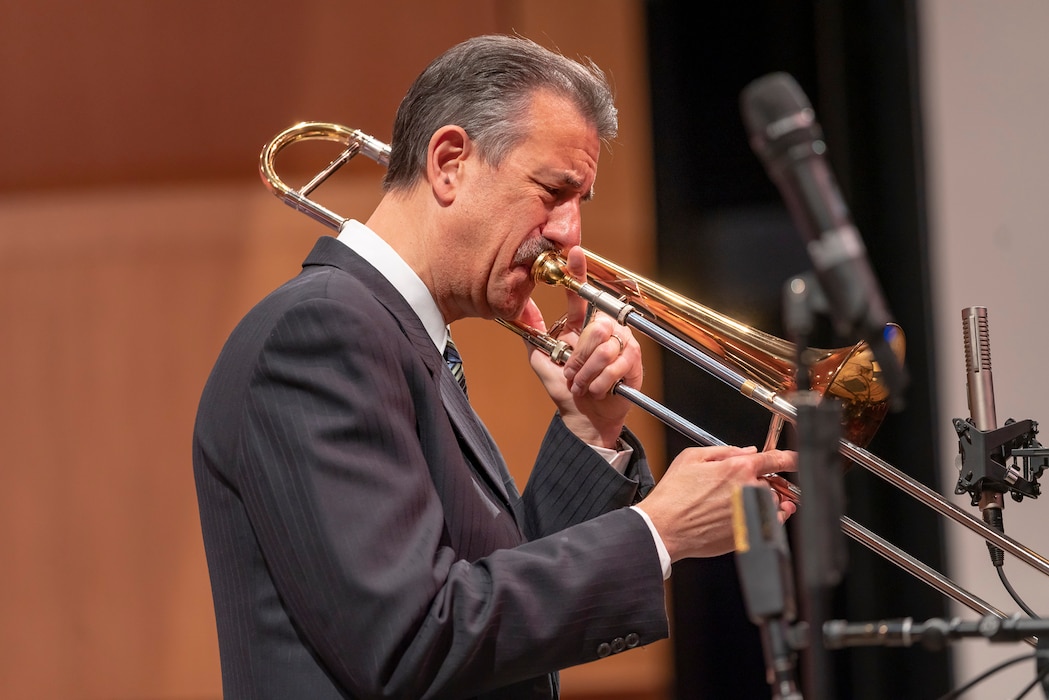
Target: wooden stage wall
{"x": 134, "y": 233}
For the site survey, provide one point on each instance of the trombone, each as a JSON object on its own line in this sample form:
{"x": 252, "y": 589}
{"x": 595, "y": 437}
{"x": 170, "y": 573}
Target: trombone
{"x": 756, "y": 364}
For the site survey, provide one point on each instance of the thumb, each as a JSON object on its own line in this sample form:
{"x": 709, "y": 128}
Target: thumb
{"x": 531, "y": 316}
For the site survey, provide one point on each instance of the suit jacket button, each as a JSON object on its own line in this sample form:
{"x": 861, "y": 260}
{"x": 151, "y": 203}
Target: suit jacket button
{"x": 603, "y": 650}
{"x": 618, "y": 645}
{"x": 632, "y": 640}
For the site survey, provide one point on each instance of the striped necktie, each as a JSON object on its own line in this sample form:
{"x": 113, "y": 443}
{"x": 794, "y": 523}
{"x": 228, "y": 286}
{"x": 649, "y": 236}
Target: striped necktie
{"x": 455, "y": 363}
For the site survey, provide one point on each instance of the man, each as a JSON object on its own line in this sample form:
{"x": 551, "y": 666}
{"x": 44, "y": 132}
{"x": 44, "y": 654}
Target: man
{"x": 363, "y": 534}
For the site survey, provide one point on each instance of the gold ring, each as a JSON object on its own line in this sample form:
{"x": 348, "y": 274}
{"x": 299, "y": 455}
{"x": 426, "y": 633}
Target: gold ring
{"x": 622, "y": 345}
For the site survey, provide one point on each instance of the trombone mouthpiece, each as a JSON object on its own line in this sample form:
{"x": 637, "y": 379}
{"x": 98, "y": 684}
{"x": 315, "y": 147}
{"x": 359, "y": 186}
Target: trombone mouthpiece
{"x": 550, "y": 268}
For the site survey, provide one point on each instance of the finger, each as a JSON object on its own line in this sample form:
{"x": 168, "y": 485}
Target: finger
{"x": 754, "y": 465}
{"x": 606, "y": 354}
{"x": 718, "y": 453}
{"x": 778, "y": 461}
{"x": 771, "y": 462}
{"x": 787, "y": 509}
{"x": 587, "y": 345}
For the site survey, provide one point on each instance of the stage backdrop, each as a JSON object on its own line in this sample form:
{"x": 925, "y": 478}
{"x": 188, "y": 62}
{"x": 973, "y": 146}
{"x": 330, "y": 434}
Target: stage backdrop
{"x": 134, "y": 233}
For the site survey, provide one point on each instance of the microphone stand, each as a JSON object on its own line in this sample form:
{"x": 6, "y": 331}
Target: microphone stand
{"x": 935, "y": 634}
{"x": 819, "y": 543}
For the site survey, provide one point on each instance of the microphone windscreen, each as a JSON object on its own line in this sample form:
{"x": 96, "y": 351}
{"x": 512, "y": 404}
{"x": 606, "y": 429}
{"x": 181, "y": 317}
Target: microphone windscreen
{"x": 779, "y": 117}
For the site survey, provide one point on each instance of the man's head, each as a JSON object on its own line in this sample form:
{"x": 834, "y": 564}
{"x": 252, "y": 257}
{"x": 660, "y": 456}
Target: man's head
{"x": 484, "y": 85}
{"x": 495, "y": 147}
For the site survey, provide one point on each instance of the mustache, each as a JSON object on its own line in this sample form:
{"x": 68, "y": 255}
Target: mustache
{"x": 532, "y": 249}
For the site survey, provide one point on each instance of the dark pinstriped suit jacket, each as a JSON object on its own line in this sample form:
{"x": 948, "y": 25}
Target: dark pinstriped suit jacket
{"x": 363, "y": 535}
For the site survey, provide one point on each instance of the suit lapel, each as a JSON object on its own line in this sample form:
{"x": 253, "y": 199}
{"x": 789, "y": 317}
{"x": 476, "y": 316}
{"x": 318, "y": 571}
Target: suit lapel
{"x": 472, "y": 431}
{"x": 485, "y": 454}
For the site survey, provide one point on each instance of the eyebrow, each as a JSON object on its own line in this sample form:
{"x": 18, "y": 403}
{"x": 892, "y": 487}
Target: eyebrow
{"x": 576, "y": 183}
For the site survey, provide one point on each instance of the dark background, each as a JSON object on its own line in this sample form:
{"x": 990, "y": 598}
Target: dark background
{"x": 725, "y": 239}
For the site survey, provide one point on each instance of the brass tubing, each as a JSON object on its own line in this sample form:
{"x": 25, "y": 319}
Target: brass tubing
{"x": 756, "y": 364}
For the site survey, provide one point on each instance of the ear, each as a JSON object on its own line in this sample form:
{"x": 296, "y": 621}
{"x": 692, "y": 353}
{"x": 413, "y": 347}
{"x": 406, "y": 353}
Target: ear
{"x": 449, "y": 148}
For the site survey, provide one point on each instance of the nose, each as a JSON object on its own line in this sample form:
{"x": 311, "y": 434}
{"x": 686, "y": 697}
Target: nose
{"x": 565, "y": 224}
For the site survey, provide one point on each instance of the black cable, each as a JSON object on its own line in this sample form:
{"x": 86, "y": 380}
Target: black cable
{"x": 993, "y": 518}
{"x": 1033, "y": 684}
{"x": 987, "y": 674}
{"x": 1013, "y": 594}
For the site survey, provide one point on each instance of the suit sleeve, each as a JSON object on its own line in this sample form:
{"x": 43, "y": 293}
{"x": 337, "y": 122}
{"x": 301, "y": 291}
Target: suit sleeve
{"x": 570, "y": 483}
{"x": 340, "y": 494}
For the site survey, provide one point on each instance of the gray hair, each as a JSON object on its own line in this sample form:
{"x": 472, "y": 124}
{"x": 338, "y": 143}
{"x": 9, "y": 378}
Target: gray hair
{"x": 484, "y": 85}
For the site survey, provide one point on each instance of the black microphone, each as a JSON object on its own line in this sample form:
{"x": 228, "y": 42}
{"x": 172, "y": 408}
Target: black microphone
{"x": 979, "y": 387}
{"x": 787, "y": 138}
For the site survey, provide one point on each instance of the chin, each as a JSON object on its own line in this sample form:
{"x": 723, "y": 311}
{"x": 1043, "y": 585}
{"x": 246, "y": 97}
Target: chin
{"x": 507, "y": 312}
{"x": 514, "y": 300}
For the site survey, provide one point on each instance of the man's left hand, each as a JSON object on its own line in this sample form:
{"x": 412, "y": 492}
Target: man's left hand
{"x": 605, "y": 353}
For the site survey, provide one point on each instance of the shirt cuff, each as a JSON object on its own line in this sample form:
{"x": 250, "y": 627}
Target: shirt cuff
{"x": 618, "y": 459}
{"x": 661, "y": 549}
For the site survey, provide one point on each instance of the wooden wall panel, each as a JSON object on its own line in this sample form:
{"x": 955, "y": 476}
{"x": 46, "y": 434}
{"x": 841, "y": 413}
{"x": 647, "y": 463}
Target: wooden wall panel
{"x": 124, "y": 91}
{"x": 134, "y": 234}
{"x": 115, "y": 304}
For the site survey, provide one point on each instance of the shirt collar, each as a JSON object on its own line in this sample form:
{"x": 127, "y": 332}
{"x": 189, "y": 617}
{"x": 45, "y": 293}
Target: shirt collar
{"x": 367, "y": 244}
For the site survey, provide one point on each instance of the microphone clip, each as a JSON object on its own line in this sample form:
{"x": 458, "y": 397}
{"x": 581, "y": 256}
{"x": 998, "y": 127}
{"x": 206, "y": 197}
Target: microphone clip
{"x": 985, "y": 459}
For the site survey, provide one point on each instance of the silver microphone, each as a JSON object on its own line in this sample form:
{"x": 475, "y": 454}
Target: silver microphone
{"x": 978, "y": 378}
{"x": 979, "y": 384}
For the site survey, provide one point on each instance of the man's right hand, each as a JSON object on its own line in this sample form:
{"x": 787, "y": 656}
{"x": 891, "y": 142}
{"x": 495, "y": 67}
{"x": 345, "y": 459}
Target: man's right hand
{"x": 691, "y": 506}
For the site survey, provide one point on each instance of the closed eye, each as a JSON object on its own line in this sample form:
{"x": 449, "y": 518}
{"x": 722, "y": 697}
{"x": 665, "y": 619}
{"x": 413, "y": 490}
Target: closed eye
{"x": 559, "y": 193}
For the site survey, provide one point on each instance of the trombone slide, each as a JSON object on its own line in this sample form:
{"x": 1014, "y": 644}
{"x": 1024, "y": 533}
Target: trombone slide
{"x": 756, "y": 364}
